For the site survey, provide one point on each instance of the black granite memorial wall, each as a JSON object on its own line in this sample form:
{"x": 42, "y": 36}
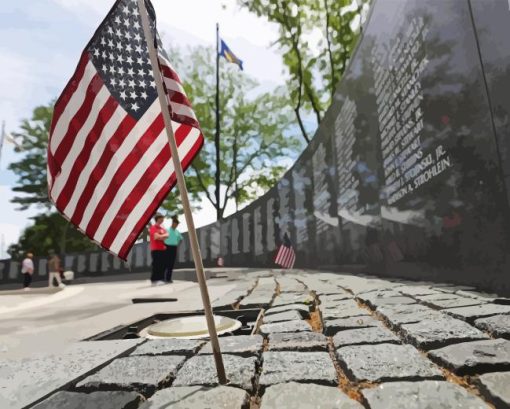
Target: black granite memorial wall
{"x": 408, "y": 175}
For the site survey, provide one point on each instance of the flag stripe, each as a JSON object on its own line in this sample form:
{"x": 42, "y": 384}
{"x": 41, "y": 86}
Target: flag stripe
{"x": 69, "y": 90}
{"x": 118, "y": 148}
{"x": 188, "y": 136}
{"x": 120, "y": 189}
{"x": 183, "y": 110}
{"x": 79, "y": 120}
{"x": 144, "y": 210}
{"x": 104, "y": 105}
{"x": 72, "y": 107}
{"x": 115, "y": 175}
{"x": 115, "y": 131}
{"x": 69, "y": 179}
{"x": 173, "y": 85}
{"x": 285, "y": 257}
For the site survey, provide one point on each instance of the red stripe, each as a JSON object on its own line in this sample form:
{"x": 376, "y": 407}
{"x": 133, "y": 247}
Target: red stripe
{"x": 178, "y": 98}
{"x": 79, "y": 119}
{"x": 97, "y": 174}
{"x": 69, "y": 90}
{"x": 52, "y": 167}
{"x": 169, "y": 73}
{"x": 158, "y": 200}
{"x": 122, "y": 173}
{"x": 141, "y": 188}
{"x": 144, "y": 220}
{"x": 81, "y": 160}
{"x": 285, "y": 257}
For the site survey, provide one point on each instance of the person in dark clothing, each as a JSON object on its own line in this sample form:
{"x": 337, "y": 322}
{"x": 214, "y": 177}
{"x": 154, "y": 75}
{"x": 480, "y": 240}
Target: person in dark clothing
{"x": 27, "y": 269}
{"x": 171, "y": 242}
{"x": 157, "y": 235}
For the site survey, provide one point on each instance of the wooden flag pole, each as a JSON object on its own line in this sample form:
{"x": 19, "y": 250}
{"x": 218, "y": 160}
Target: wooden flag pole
{"x": 197, "y": 257}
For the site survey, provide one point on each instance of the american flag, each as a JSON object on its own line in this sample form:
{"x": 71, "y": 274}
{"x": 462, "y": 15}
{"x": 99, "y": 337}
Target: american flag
{"x": 285, "y": 256}
{"x": 109, "y": 162}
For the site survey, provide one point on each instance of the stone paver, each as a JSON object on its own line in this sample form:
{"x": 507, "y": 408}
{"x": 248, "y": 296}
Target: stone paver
{"x": 258, "y": 300}
{"x": 287, "y": 326}
{"x": 436, "y": 333}
{"x": 294, "y": 395}
{"x": 94, "y": 400}
{"x": 497, "y": 325}
{"x": 245, "y": 345}
{"x": 301, "y": 341}
{"x": 282, "y": 316}
{"x": 454, "y": 302}
{"x": 142, "y": 373}
{"x": 385, "y": 362}
{"x": 397, "y": 315}
{"x": 421, "y": 395}
{"x": 336, "y": 312}
{"x": 478, "y": 311}
{"x": 169, "y": 347}
{"x": 416, "y": 290}
{"x": 372, "y": 335}
{"x": 339, "y": 304}
{"x": 331, "y": 298}
{"x": 332, "y": 326}
{"x": 436, "y": 297}
{"x": 26, "y": 380}
{"x": 227, "y": 300}
{"x": 286, "y": 366}
{"x": 303, "y": 309}
{"x": 198, "y": 397}
{"x": 474, "y": 357}
{"x": 496, "y": 387}
{"x": 379, "y": 301}
{"x": 201, "y": 370}
{"x": 292, "y": 298}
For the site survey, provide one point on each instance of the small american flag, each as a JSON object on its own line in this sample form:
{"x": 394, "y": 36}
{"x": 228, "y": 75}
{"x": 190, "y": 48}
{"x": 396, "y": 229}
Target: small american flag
{"x": 109, "y": 162}
{"x": 285, "y": 256}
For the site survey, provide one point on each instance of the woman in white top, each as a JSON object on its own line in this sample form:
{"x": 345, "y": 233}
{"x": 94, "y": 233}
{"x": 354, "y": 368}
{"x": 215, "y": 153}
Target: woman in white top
{"x": 27, "y": 268}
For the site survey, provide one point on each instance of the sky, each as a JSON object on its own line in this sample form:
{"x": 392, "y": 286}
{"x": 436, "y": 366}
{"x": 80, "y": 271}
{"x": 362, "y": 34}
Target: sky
{"x": 41, "y": 41}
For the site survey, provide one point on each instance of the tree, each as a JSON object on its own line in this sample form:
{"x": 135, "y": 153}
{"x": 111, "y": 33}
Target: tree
{"x": 312, "y": 76}
{"x": 255, "y": 135}
{"x": 50, "y": 231}
{"x": 32, "y": 141}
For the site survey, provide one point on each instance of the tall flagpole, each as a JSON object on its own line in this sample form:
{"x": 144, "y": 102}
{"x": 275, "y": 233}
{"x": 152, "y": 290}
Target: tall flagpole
{"x": 197, "y": 257}
{"x": 217, "y": 136}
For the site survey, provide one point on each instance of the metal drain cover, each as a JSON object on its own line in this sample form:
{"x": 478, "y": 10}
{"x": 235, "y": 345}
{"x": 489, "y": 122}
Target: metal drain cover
{"x": 191, "y": 327}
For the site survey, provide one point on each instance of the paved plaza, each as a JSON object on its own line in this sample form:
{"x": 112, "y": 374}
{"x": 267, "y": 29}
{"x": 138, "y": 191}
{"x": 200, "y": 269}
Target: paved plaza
{"x": 323, "y": 340}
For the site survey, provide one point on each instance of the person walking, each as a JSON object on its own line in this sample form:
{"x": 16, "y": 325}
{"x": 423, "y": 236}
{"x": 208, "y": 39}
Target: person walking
{"x": 158, "y": 234}
{"x": 54, "y": 269}
{"x": 27, "y": 269}
{"x": 173, "y": 240}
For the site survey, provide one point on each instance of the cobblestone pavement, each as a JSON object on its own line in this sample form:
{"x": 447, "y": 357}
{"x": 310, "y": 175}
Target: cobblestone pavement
{"x": 324, "y": 341}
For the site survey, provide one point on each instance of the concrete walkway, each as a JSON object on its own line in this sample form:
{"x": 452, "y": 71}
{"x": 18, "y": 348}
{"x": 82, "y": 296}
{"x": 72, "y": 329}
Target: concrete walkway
{"x": 323, "y": 340}
{"x": 31, "y": 323}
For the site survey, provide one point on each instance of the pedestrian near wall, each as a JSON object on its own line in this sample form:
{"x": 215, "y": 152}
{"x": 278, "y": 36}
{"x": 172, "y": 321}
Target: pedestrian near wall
{"x": 158, "y": 234}
{"x": 27, "y": 269}
{"x": 172, "y": 241}
{"x": 54, "y": 269}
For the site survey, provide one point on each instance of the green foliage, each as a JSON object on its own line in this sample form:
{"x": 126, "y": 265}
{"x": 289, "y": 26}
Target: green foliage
{"x": 50, "y": 231}
{"x": 254, "y": 130}
{"x": 314, "y": 69}
{"x": 31, "y": 168}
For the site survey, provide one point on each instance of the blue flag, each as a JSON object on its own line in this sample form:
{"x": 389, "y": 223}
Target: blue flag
{"x": 229, "y": 55}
